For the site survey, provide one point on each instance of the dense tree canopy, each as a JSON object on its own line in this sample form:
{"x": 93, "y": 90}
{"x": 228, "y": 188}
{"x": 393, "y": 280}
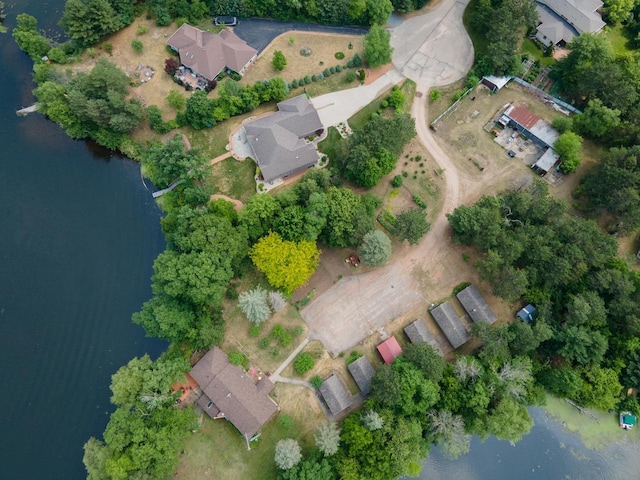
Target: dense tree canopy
{"x": 377, "y": 46}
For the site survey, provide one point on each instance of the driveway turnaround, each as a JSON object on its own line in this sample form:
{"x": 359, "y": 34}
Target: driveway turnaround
{"x": 259, "y": 32}
{"x": 434, "y": 48}
{"x": 359, "y": 306}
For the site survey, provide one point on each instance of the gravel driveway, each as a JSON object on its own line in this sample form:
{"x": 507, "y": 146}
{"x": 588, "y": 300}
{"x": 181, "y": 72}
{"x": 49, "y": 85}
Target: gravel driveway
{"x": 259, "y": 32}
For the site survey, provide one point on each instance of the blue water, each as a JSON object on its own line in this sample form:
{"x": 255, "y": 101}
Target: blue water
{"x": 78, "y": 236}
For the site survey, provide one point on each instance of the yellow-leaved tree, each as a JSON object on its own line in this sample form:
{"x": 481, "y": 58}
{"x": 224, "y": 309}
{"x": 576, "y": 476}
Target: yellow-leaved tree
{"x": 287, "y": 265}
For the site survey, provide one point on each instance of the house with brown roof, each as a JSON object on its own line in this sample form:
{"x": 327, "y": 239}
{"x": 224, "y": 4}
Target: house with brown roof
{"x": 280, "y": 141}
{"x": 228, "y": 392}
{"x": 208, "y": 54}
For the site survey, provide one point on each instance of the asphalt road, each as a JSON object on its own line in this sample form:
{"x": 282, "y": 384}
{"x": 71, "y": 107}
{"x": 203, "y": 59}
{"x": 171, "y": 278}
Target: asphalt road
{"x": 259, "y": 32}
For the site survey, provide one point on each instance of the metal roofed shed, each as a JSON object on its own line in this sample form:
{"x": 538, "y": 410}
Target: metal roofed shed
{"x": 531, "y": 125}
{"x": 547, "y": 161}
{"x": 450, "y": 324}
{"x": 389, "y": 350}
{"x": 476, "y": 306}
{"x": 418, "y": 332}
{"x": 362, "y": 372}
{"x": 494, "y": 83}
{"x": 528, "y": 314}
{"x": 335, "y": 395}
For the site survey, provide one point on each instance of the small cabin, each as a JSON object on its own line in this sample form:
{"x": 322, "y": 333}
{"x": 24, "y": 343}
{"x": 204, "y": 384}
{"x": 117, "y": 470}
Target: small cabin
{"x": 528, "y": 314}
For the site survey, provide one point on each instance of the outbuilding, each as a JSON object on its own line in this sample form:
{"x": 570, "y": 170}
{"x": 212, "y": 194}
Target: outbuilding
{"x": 450, "y": 324}
{"x": 362, "y": 372}
{"x": 528, "y": 314}
{"x": 389, "y": 350}
{"x": 335, "y": 394}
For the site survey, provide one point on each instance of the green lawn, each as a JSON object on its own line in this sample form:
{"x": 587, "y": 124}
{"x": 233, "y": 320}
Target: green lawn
{"x": 329, "y": 145}
{"x": 619, "y": 39}
{"x": 233, "y": 178}
{"x": 532, "y": 48}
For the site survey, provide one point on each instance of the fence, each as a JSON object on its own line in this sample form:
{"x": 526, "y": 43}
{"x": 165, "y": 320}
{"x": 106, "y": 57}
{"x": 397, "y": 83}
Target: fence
{"x": 546, "y": 96}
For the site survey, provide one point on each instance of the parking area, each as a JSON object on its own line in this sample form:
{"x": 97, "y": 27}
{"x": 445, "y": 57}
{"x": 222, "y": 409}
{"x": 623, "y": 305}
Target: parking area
{"x": 517, "y": 146}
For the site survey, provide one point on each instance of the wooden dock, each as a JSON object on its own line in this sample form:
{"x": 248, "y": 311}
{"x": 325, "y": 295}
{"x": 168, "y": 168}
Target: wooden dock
{"x": 26, "y": 110}
{"x": 159, "y": 193}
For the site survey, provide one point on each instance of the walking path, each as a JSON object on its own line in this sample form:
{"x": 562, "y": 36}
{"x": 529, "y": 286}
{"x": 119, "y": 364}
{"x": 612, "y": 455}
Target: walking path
{"x": 432, "y": 49}
{"x": 290, "y": 358}
{"x": 220, "y": 158}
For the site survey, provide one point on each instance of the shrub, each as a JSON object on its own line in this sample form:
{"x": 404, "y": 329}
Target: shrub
{"x": 142, "y": 29}
{"x": 362, "y": 74}
{"x": 303, "y": 363}
{"x": 108, "y": 47}
{"x": 418, "y": 201}
{"x": 314, "y": 78}
{"x": 274, "y": 352}
{"x": 339, "y": 55}
{"x": 385, "y": 104}
{"x": 232, "y": 292}
{"x": 353, "y": 356}
{"x": 338, "y": 68}
{"x": 137, "y": 45}
{"x": 277, "y": 301}
{"x": 307, "y": 80}
{"x": 350, "y": 64}
{"x": 397, "y": 181}
{"x": 434, "y": 95}
{"x": 351, "y": 76}
{"x": 285, "y": 421}
{"x": 357, "y": 61}
{"x": 237, "y": 358}
{"x": 332, "y": 70}
{"x": 170, "y": 66}
{"x": 279, "y": 61}
{"x": 264, "y": 343}
{"x": 461, "y": 286}
{"x": 177, "y": 101}
{"x": 294, "y": 83}
{"x": 298, "y": 331}
{"x": 316, "y": 381}
{"x": 254, "y": 331}
{"x": 405, "y": 174}
{"x": 326, "y": 72}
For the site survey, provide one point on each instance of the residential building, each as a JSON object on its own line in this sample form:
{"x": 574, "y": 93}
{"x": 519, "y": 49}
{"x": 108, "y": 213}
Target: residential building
{"x": 562, "y": 20}
{"x": 450, "y": 324}
{"x": 362, "y": 372}
{"x": 476, "y": 306}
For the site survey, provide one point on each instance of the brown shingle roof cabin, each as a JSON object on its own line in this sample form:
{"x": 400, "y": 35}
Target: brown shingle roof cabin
{"x": 418, "y": 332}
{"x": 476, "y": 306}
{"x": 450, "y": 324}
{"x": 389, "y": 350}
{"x": 335, "y": 395}
{"x": 230, "y": 393}
{"x": 362, "y": 372}
{"x": 209, "y": 54}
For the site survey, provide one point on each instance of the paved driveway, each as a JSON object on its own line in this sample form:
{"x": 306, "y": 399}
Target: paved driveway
{"x": 259, "y": 32}
{"x": 434, "y": 48}
{"x": 360, "y": 305}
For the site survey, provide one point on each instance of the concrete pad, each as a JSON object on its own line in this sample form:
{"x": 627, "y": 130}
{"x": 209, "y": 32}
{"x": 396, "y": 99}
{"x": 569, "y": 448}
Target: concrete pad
{"x": 337, "y": 107}
{"x": 358, "y": 306}
{"x": 434, "y": 47}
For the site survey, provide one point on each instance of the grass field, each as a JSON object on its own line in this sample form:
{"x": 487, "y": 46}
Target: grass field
{"x": 532, "y": 48}
{"x": 233, "y": 178}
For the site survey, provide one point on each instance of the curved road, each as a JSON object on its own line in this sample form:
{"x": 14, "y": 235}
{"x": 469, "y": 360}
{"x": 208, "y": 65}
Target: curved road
{"x": 433, "y": 50}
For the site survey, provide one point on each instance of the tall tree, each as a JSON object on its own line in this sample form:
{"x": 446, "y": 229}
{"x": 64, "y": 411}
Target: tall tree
{"x": 287, "y": 453}
{"x": 377, "y": 46}
{"x": 253, "y": 304}
{"x": 287, "y": 265}
{"x": 87, "y": 21}
{"x": 411, "y": 225}
{"x": 569, "y": 147}
{"x": 327, "y": 438}
{"x": 375, "y": 249}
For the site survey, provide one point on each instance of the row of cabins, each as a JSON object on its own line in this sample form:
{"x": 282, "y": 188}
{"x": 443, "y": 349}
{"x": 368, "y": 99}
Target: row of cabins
{"x": 335, "y": 394}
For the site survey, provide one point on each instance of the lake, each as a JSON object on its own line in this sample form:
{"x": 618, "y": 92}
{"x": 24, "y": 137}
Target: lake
{"x": 79, "y": 233}
{"x": 78, "y": 236}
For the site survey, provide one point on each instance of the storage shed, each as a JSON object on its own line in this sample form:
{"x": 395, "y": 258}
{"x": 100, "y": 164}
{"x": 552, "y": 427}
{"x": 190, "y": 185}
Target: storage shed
{"x": 418, "y": 332}
{"x": 528, "y": 313}
{"x": 335, "y": 394}
{"x": 476, "y": 306}
{"x": 450, "y": 324}
{"x": 362, "y": 372}
{"x": 389, "y": 350}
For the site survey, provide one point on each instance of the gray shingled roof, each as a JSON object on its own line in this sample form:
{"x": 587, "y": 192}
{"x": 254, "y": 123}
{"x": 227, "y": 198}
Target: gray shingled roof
{"x": 580, "y": 14}
{"x": 476, "y": 306}
{"x": 207, "y": 53}
{"x": 335, "y": 394}
{"x": 246, "y": 405}
{"x": 362, "y": 372}
{"x": 278, "y": 140}
{"x": 418, "y": 332}
{"x": 450, "y": 324}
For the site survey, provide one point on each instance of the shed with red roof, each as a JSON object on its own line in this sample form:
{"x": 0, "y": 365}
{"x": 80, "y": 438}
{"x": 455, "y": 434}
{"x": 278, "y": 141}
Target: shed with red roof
{"x": 389, "y": 350}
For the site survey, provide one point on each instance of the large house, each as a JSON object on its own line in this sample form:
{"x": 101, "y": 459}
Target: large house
{"x": 228, "y": 392}
{"x": 280, "y": 141}
{"x": 562, "y": 20}
{"x": 208, "y": 54}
